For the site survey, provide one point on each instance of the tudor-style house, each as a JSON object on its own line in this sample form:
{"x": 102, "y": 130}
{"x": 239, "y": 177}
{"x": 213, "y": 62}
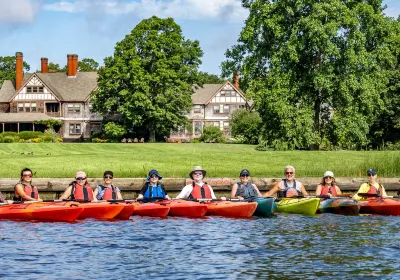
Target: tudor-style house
{"x": 48, "y": 95}
{"x": 213, "y": 105}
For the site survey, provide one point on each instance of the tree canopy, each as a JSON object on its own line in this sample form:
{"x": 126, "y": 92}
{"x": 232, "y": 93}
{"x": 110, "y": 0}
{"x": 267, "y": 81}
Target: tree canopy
{"x": 148, "y": 81}
{"x": 88, "y": 65}
{"x": 206, "y": 78}
{"x": 318, "y": 70}
{"x": 7, "y": 68}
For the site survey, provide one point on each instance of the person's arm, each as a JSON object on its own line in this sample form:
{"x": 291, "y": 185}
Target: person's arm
{"x": 96, "y": 192}
{"x": 257, "y": 190}
{"x": 363, "y": 189}
{"x": 318, "y": 190}
{"x": 19, "y": 189}
{"x": 185, "y": 192}
{"x": 140, "y": 197}
{"x": 383, "y": 191}
{"x": 119, "y": 195}
{"x": 213, "y": 195}
{"x": 273, "y": 190}
{"x": 338, "y": 191}
{"x": 67, "y": 193}
{"x": 234, "y": 190}
{"x": 303, "y": 190}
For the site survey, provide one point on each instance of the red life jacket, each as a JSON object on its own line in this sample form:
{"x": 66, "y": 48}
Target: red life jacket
{"x": 81, "y": 193}
{"x": 31, "y": 191}
{"x": 200, "y": 192}
{"x": 331, "y": 190}
{"x": 374, "y": 190}
{"x": 109, "y": 193}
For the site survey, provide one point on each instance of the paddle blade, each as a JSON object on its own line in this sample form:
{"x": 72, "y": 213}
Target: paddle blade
{"x": 368, "y": 195}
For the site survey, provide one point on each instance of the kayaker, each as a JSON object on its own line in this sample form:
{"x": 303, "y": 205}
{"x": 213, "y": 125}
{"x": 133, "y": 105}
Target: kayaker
{"x": 288, "y": 187}
{"x": 79, "y": 189}
{"x": 152, "y": 187}
{"x": 328, "y": 185}
{"x": 24, "y": 190}
{"x": 198, "y": 189}
{"x": 245, "y": 189}
{"x": 107, "y": 191}
{"x": 371, "y": 187}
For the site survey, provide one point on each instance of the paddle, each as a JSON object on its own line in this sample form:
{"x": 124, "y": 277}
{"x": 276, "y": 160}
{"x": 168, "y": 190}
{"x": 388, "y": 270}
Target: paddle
{"x": 376, "y": 195}
{"x": 314, "y": 196}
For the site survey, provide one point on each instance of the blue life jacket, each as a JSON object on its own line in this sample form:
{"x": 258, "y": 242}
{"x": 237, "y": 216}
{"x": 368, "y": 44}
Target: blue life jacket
{"x": 152, "y": 191}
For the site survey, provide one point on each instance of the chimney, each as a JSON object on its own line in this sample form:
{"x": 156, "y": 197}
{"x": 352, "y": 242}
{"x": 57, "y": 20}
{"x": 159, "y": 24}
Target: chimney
{"x": 44, "y": 65}
{"x": 72, "y": 65}
{"x": 236, "y": 80}
{"x": 19, "y": 62}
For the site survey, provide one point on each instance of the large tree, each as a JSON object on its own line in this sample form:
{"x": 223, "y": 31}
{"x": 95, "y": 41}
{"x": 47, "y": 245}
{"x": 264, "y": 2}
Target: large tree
{"x": 316, "y": 69}
{"x": 148, "y": 82}
{"x": 7, "y": 68}
{"x": 88, "y": 65}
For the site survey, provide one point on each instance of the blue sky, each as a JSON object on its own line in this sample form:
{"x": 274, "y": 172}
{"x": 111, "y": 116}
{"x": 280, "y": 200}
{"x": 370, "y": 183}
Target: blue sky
{"x": 91, "y": 28}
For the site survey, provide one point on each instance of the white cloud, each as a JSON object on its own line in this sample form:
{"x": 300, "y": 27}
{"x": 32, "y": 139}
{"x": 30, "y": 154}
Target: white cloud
{"x": 18, "y": 11}
{"x": 178, "y": 9}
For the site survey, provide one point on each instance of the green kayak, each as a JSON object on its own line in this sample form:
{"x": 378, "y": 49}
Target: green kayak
{"x": 265, "y": 206}
{"x": 305, "y": 206}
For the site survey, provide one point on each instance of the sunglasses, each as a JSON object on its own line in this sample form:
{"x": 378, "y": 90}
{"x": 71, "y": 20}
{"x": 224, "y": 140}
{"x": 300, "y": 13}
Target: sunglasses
{"x": 198, "y": 173}
{"x": 244, "y": 175}
{"x": 371, "y": 174}
{"x": 26, "y": 175}
{"x": 328, "y": 177}
{"x": 108, "y": 177}
{"x": 153, "y": 176}
{"x": 81, "y": 178}
{"x": 289, "y": 173}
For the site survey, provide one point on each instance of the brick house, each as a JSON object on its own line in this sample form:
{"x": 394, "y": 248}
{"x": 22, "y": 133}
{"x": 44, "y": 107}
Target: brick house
{"x": 47, "y": 95}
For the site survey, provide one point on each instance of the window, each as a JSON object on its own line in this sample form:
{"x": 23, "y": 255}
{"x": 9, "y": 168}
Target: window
{"x": 35, "y": 89}
{"x": 27, "y": 107}
{"x": 20, "y": 107}
{"x": 216, "y": 124}
{"x": 33, "y": 107}
{"x": 74, "y": 108}
{"x": 226, "y": 125}
{"x": 197, "y": 109}
{"x": 74, "y": 128}
{"x": 226, "y": 109}
{"x": 197, "y": 127}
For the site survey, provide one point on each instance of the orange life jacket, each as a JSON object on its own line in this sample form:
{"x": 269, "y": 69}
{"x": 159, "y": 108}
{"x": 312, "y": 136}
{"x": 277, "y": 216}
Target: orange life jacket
{"x": 81, "y": 193}
{"x": 374, "y": 190}
{"x": 109, "y": 193}
{"x": 200, "y": 192}
{"x": 31, "y": 191}
{"x": 331, "y": 190}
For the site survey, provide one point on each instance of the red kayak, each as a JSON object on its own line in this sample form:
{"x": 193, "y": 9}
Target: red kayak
{"x": 151, "y": 210}
{"x": 126, "y": 212}
{"x": 100, "y": 210}
{"x": 183, "y": 208}
{"x": 41, "y": 212}
{"x": 380, "y": 206}
{"x": 231, "y": 209}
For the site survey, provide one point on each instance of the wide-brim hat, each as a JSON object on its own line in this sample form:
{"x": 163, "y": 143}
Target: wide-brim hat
{"x": 154, "y": 172}
{"x": 197, "y": 168}
{"x": 329, "y": 174}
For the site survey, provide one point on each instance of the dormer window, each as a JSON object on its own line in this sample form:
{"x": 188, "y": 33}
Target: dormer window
{"x": 34, "y": 89}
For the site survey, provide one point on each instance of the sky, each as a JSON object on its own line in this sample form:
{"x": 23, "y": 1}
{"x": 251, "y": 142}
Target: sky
{"x": 91, "y": 28}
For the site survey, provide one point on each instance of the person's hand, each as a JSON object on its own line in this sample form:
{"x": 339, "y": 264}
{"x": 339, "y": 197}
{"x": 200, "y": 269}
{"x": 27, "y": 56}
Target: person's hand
{"x": 223, "y": 198}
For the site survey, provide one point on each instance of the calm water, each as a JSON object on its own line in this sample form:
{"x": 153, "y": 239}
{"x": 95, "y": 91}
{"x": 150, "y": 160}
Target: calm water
{"x": 288, "y": 246}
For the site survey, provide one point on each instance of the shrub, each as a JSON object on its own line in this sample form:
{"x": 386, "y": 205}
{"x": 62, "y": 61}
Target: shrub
{"x": 246, "y": 126}
{"x": 212, "y": 134}
{"x": 58, "y": 139}
{"x": 36, "y": 140}
{"x": 25, "y": 135}
{"x": 9, "y": 139}
{"x": 9, "y": 133}
{"x": 46, "y": 138}
{"x": 98, "y": 140}
{"x": 21, "y": 141}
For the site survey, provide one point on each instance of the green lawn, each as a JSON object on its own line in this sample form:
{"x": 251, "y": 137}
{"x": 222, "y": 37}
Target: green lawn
{"x": 55, "y": 160}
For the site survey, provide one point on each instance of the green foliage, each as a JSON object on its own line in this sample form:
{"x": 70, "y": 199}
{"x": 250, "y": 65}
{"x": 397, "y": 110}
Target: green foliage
{"x": 246, "y": 125}
{"x": 114, "y": 130}
{"x": 50, "y": 123}
{"x": 25, "y": 135}
{"x": 88, "y": 65}
{"x": 212, "y": 134}
{"x": 7, "y": 68}
{"x": 206, "y": 78}
{"x": 56, "y": 67}
{"x": 316, "y": 70}
{"x": 148, "y": 82}
{"x": 10, "y": 139}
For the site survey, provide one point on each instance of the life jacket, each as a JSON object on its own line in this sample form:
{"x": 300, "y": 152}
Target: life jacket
{"x": 374, "y": 190}
{"x": 157, "y": 191}
{"x": 32, "y": 191}
{"x": 200, "y": 192}
{"x": 1, "y": 198}
{"x": 286, "y": 191}
{"x": 246, "y": 191}
{"x": 81, "y": 193}
{"x": 331, "y": 190}
{"x": 109, "y": 193}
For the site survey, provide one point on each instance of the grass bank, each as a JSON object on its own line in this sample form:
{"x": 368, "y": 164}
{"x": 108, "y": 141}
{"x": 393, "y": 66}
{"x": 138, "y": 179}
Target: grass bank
{"x": 56, "y": 160}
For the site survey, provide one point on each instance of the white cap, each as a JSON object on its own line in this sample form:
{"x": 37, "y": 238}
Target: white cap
{"x": 329, "y": 173}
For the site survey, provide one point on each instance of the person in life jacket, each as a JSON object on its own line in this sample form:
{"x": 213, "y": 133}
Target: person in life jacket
{"x": 288, "y": 187}
{"x": 197, "y": 189}
{"x": 79, "y": 190}
{"x": 328, "y": 185}
{"x": 107, "y": 191}
{"x": 371, "y": 187}
{"x": 152, "y": 187}
{"x": 245, "y": 190}
{"x": 24, "y": 190}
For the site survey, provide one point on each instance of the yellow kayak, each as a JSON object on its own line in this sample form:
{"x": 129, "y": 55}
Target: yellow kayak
{"x": 305, "y": 206}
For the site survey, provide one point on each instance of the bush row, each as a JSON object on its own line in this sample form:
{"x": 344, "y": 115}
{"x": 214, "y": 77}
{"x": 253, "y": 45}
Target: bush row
{"x": 30, "y": 137}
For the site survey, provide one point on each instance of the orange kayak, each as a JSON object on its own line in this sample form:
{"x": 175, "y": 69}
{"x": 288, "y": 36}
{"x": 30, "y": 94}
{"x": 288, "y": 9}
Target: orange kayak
{"x": 151, "y": 210}
{"x": 100, "y": 210}
{"x": 126, "y": 212}
{"x": 380, "y": 206}
{"x": 231, "y": 209}
{"x": 41, "y": 212}
{"x": 183, "y": 208}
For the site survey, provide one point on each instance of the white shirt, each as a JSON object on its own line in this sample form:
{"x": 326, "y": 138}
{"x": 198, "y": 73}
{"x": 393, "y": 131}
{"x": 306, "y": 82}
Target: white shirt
{"x": 187, "y": 190}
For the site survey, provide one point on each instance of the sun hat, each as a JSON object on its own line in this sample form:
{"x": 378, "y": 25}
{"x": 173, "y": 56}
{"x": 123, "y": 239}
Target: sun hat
{"x": 154, "y": 172}
{"x": 197, "y": 168}
{"x": 329, "y": 174}
{"x": 244, "y": 172}
{"x": 80, "y": 174}
{"x": 108, "y": 172}
{"x": 371, "y": 171}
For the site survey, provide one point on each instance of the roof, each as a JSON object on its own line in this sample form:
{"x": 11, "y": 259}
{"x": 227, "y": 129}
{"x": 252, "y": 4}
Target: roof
{"x": 64, "y": 88}
{"x": 202, "y": 94}
{"x": 23, "y": 117}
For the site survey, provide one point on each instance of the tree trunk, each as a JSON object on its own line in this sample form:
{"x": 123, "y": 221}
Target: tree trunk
{"x": 317, "y": 114}
{"x": 152, "y": 133}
